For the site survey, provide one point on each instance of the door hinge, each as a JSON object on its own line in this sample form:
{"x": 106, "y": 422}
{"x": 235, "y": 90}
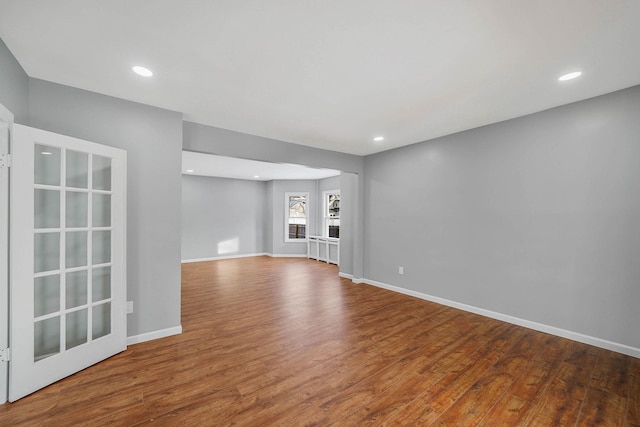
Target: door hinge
{"x": 5, "y": 354}
{"x": 5, "y": 161}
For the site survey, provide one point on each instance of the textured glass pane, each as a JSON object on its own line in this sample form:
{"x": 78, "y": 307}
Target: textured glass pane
{"x": 76, "y": 289}
{"x": 46, "y": 338}
{"x": 101, "y": 173}
{"x": 76, "y": 249}
{"x": 334, "y": 227}
{"x": 47, "y": 165}
{"x": 77, "y": 169}
{"x": 101, "y": 210}
{"x": 101, "y": 247}
{"x": 46, "y": 295}
{"x": 297, "y": 207}
{"x": 297, "y": 217}
{"x": 101, "y": 320}
{"x": 77, "y": 209}
{"x": 101, "y": 284}
{"x": 76, "y": 328}
{"x": 46, "y": 252}
{"x": 334, "y": 205}
{"x": 47, "y": 208}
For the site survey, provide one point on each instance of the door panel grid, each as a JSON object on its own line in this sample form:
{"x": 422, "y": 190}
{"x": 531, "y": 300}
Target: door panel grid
{"x": 68, "y": 257}
{"x": 68, "y": 247}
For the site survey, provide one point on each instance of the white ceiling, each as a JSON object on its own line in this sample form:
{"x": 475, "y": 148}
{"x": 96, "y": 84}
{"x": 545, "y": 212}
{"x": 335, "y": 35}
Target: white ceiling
{"x": 231, "y": 167}
{"x": 333, "y": 74}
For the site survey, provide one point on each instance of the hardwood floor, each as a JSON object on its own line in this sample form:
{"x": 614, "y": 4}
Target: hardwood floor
{"x": 273, "y": 341}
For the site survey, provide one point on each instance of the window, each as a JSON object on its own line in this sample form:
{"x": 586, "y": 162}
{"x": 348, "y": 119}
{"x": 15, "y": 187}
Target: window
{"x": 331, "y": 213}
{"x": 296, "y": 216}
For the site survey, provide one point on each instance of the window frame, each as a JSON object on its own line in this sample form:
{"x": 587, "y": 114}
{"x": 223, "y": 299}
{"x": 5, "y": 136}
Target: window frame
{"x": 325, "y": 210}
{"x": 287, "y": 195}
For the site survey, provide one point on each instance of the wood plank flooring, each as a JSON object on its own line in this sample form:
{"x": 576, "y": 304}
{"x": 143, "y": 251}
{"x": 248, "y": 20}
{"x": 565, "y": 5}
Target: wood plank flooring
{"x": 274, "y": 341}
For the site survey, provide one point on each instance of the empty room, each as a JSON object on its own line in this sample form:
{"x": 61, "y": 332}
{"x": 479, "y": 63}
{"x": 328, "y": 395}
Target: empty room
{"x": 319, "y": 213}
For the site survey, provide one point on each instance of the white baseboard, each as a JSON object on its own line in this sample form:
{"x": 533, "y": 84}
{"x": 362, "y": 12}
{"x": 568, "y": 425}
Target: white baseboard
{"x": 345, "y": 275}
{"x": 149, "y": 336}
{"x": 286, "y": 255}
{"x": 575, "y": 336}
{"x": 357, "y": 281}
{"x": 215, "y": 258}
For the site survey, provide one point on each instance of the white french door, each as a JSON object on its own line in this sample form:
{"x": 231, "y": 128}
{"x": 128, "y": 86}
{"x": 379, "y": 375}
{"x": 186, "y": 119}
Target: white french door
{"x": 6, "y": 122}
{"x": 67, "y": 250}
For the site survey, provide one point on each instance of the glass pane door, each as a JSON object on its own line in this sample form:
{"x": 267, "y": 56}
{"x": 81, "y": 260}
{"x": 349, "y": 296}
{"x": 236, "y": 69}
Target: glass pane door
{"x": 68, "y": 264}
{"x": 72, "y": 248}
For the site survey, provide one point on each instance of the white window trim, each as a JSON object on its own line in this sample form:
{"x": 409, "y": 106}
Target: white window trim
{"x": 325, "y": 211}
{"x": 286, "y": 216}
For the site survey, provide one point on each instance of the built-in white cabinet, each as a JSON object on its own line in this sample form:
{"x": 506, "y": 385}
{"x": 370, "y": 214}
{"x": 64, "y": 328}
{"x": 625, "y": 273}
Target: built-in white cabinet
{"x": 325, "y": 249}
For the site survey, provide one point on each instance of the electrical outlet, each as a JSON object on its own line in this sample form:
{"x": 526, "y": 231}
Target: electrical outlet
{"x": 129, "y": 307}
{"x": 401, "y": 270}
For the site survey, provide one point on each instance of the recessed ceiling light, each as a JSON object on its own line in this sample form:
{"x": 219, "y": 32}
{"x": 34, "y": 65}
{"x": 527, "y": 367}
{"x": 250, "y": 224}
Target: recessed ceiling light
{"x": 190, "y": 171}
{"x": 378, "y": 138}
{"x": 256, "y": 176}
{"x": 570, "y": 76}
{"x": 142, "y": 71}
{"x": 46, "y": 153}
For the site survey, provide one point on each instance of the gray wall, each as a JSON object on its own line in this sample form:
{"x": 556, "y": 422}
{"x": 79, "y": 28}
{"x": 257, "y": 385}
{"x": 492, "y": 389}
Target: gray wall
{"x": 153, "y": 140}
{"x": 216, "y": 210}
{"x": 212, "y": 140}
{"x": 14, "y": 86}
{"x": 348, "y": 221}
{"x": 537, "y": 217}
{"x": 268, "y": 219}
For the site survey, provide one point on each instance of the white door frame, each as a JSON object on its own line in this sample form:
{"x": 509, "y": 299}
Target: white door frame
{"x": 6, "y": 124}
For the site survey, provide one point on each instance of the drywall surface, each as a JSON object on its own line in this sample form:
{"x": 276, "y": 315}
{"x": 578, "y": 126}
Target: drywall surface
{"x": 152, "y": 138}
{"x": 268, "y": 218}
{"x": 536, "y": 217}
{"x": 14, "y": 86}
{"x": 222, "y": 217}
{"x": 348, "y": 220}
{"x": 212, "y": 140}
